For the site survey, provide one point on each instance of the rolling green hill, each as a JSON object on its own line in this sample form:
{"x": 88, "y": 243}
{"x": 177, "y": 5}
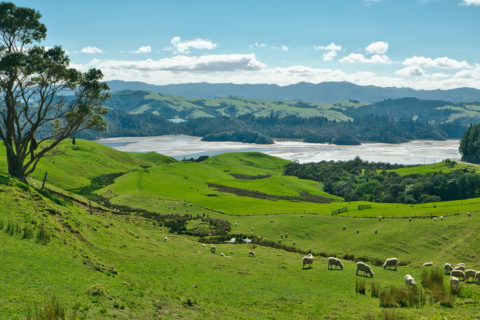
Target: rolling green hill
{"x": 115, "y": 264}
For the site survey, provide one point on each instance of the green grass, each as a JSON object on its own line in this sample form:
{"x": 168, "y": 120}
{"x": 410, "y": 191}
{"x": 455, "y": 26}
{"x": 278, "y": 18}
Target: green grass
{"x": 143, "y": 277}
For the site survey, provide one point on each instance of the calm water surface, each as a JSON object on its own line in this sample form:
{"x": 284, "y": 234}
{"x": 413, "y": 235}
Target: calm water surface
{"x": 180, "y": 147}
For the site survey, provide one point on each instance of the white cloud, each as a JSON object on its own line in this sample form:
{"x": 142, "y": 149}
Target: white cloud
{"x": 143, "y": 49}
{"x": 185, "y": 46}
{"x": 411, "y": 71}
{"x": 360, "y": 58}
{"x": 91, "y": 50}
{"x": 331, "y": 49}
{"x": 442, "y": 62}
{"x": 470, "y": 3}
{"x": 379, "y": 47}
{"x": 264, "y": 45}
{"x": 283, "y": 47}
{"x": 328, "y": 56}
{"x": 258, "y": 45}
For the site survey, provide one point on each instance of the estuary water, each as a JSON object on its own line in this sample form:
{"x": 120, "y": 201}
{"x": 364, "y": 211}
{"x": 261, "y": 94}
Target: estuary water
{"x": 182, "y": 146}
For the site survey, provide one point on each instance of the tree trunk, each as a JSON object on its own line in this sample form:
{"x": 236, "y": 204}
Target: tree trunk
{"x": 15, "y": 166}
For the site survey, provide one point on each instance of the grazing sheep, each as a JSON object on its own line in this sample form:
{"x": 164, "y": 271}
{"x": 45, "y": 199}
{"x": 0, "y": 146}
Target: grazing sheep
{"x": 165, "y": 239}
{"x": 236, "y": 224}
{"x": 279, "y": 241}
{"x": 477, "y": 277}
{"x": 409, "y": 281}
{"x": 334, "y": 262}
{"x": 344, "y": 227}
{"x": 379, "y": 218}
{"x": 365, "y": 268}
{"x": 271, "y": 221}
{"x": 251, "y": 254}
{"x": 294, "y": 243}
{"x": 376, "y": 231}
{"x": 469, "y": 214}
{"x": 470, "y": 273}
{"x": 409, "y": 219}
{"x": 286, "y": 234}
{"x": 281, "y": 236}
{"x": 203, "y": 245}
{"x": 461, "y": 264}
{"x": 447, "y": 268}
{"x": 212, "y": 249}
{"x": 454, "y": 283}
{"x": 428, "y": 264}
{"x": 253, "y": 228}
{"x": 459, "y": 267}
{"x": 308, "y": 259}
{"x": 458, "y": 273}
{"x": 441, "y": 218}
{"x": 390, "y": 263}
{"x": 221, "y": 254}
{"x": 435, "y": 219}
{"x": 357, "y": 231}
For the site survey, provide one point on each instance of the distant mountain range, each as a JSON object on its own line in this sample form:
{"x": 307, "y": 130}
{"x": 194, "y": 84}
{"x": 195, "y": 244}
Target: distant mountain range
{"x": 322, "y": 92}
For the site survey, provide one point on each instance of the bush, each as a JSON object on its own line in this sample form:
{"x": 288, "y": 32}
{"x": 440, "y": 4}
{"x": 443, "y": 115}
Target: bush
{"x": 51, "y": 309}
{"x": 374, "y": 289}
{"x": 360, "y": 286}
{"x": 27, "y": 232}
{"x": 394, "y": 297}
{"x": 43, "y": 236}
{"x": 97, "y": 290}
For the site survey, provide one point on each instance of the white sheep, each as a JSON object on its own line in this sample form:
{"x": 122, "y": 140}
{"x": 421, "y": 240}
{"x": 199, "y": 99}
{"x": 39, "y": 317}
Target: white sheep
{"x": 357, "y": 231}
{"x": 271, "y": 221}
{"x": 281, "y": 236}
{"x": 294, "y": 243}
{"x": 390, "y": 263}
{"x": 435, "y": 219}
{"x": 253, "y": 228}
{"x": 459, "y": 267}
{"x": 251, "y": 254}
{"x": 334, "y": 262}
{"x": 441, "y": 218}
{"x": 286, "y": 234}
{"x": 344, "y": 227}
{"x": 469, "y": 214}
{"x": 409, "y": 281}
{"x": 307, "y": 260}
{"x": 477, "y": 277}
{"x": 447, "y": 268}
{"x": 213, "y": 249}
{"x": 454, "y": 283}
{"x": 221, "y": 254}
{"x": 365, "y": 268}
{"x": 470, "y": 273}
{"x": 165, "y": 239}
{"x": 279, "y": 241}
{"x": 458, "y": 273}
{"x": 203, "y": 245}
{"x": 379, "y": 218}
{"x": 409, "y": 219}
{"x": 236, "y": 224}
{"x": 428, "y": 264}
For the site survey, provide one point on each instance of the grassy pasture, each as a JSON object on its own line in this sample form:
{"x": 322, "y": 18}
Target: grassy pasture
{"x": 177, "y": 279}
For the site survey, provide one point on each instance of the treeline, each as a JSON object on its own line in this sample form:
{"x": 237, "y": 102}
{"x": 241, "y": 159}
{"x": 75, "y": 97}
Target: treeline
{"x": 248, "y": 128}
{"x": 360, "y": 180}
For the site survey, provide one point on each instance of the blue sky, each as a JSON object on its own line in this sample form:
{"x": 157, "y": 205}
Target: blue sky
{"x": 415, "y": 43}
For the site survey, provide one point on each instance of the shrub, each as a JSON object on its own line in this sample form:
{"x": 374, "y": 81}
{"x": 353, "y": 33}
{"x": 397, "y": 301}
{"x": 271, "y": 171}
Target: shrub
{"x": 97, "y": 290}
{"x": 27, "y": 232}
{"x": 391, "y": 315}
{"x": 374, "y": 289}
{"x": 394, "y": 297}
{"x": 10, "y": 229}
{"x": 360, "y": 286}
{"x": 43, "y": 236}
{"x": 51, "y": 309}
{"x": 433, "y": 281}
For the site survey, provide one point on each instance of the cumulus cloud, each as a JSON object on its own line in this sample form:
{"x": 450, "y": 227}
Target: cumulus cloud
{"x": 143, "y": 49}
{"x": 411, "y": 71}
{"x": 379, "y": 47}
{"x": 331, "y": 49}
{"x": 360, "y": 58}
{"x": 91, "y": 50}
{"x": 442, "y": 62}
{"x": 470, "y": 3}
{"x": 184, "y": 46}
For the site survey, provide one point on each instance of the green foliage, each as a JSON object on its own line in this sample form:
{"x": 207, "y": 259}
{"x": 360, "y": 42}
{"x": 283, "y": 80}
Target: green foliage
{"x": 470, "y": 144}
{"x": 43, "y": 235}
{"x": 27, "y": 232}
{"x": 97, "y": 290}
{"x": 394, "y": 297}
{"x": 360, "y": 287}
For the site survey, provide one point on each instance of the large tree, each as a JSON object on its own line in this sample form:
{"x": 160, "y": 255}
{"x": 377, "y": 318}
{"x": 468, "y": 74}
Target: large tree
{"x": 42, "y": 100}
{"x": 470, "y": 144}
